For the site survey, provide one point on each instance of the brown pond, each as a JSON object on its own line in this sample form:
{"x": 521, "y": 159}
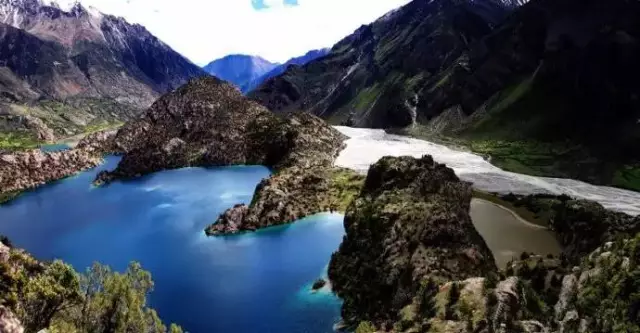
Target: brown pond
{"x": 508, "y": 235}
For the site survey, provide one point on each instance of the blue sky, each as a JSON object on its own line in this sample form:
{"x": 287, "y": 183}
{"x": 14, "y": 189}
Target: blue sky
{"x": 261, "y": 5}
{"x": 204, "y": 30}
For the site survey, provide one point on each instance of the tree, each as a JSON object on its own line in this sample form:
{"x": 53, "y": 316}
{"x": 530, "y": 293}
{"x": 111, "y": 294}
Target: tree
{"x": 43, "y": 296}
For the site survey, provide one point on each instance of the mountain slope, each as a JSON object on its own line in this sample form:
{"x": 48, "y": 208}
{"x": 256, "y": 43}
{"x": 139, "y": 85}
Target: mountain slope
{"x": 60, "y": 54}
{"x": 549, "y": 90}
{"x": 309, "y": 56}
{"x": 239, "y": 69}
{"x": 369, "y": 77}
{"x": 68, "y": 72}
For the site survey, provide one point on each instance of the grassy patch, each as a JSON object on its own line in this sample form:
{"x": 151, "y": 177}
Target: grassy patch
{"x": 627, "y": 177}
{"x": 19, "y": 140}
{"x": 366, "y": 97}
{"x": 345, "y": 186}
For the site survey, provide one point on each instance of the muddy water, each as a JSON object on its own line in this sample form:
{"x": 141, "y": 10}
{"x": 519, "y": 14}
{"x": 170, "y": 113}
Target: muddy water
{"x": 508, "y": 235}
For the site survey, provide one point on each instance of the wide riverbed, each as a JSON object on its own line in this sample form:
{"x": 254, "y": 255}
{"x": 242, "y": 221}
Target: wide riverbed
{"x": 366, "y": 146}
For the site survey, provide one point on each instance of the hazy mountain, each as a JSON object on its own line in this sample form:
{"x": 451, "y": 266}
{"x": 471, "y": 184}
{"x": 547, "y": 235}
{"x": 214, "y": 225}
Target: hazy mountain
{"x": 239, "y": 69}
{"x": 309, "y": 56}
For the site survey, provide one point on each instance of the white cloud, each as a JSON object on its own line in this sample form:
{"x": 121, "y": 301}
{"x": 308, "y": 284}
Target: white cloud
{"x": 204, "y": 30}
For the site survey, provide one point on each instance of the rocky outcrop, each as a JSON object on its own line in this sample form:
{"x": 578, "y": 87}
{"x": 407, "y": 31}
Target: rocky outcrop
{"x": 410, "y": 224}
{"x": 25, "y": 170}
{"x": 30, "y": 169}
{"x": 208, "y": 122}
{"x": 289, "y": 195}
{"x": 100, "y": 142}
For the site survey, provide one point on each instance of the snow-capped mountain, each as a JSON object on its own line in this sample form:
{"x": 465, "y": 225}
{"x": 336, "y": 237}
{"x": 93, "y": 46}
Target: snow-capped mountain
{"x": 49, "y": 52}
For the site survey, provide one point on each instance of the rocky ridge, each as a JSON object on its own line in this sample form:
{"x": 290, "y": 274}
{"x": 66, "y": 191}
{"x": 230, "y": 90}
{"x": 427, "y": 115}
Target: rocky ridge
{"x": 208, "y": 122}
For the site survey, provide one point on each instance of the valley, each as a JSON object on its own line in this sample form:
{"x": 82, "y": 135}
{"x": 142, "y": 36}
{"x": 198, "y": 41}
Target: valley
{"x": 451, "y": 166}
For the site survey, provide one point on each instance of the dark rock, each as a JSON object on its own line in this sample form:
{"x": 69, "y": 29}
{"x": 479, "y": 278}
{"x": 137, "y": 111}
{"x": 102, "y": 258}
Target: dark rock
{"x": 318, "y": 284}
{"x": 409, "y": 223}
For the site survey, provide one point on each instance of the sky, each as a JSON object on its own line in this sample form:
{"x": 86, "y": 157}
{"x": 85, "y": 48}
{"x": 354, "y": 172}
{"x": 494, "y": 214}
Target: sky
{"x": 204, "y": 30}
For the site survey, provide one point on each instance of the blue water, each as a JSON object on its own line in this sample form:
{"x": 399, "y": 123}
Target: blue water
{"x": 256, "y": 282}
{"x": 55, "y": 147}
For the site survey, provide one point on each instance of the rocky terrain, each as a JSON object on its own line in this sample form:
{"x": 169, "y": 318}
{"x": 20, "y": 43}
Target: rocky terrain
{"x": 29, "y": 169}
{"x": 410, "y": 222}
{"x": 208, "y": 122}
{"x": 289, "y": 195}
{"x": 52, "y": 53}
{"x": 545, "y": 88}
{"x": 411, "y": 261}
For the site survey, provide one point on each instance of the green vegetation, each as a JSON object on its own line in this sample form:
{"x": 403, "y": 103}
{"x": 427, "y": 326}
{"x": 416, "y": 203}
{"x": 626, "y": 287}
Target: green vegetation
{"x": 19, "y": 140}
{"x": 8, "y": 196}
{"x": 54, "y": 296}
{"x": 365, "y": 327}
{"x": 610, "y": 296}
{"x": 627, "y": 177}
{"x": 344, "y": 187}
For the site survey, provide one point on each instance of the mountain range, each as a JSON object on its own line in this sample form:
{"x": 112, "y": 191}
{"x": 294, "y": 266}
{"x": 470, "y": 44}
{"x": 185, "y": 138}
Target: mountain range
{"x": 248, "y": 72}
{"x": 84, "y": 61}
{"x": 543, "y": 87}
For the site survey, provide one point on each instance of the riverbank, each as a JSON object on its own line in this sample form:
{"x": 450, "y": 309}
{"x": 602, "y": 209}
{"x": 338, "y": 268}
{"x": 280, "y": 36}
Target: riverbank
{"x": 542, "y": 159}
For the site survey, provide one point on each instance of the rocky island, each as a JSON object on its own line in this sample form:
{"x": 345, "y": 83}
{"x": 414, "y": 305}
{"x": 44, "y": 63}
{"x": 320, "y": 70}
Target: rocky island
{"x": 208, "y": 122}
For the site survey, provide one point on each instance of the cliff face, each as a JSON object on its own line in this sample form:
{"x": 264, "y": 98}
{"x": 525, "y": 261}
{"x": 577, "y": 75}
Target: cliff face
{"x": 409, "y": 223}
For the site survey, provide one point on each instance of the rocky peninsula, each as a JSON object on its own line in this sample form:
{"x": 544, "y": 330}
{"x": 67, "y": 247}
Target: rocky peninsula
{"x": 25, "y": 170}
{"x": 209, "y": 123}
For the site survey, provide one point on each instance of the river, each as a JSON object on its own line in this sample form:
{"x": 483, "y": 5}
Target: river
{"x": 366, "y": 146}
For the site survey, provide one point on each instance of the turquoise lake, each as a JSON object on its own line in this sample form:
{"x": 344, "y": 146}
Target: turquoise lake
{"x": 257, "y": 282}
